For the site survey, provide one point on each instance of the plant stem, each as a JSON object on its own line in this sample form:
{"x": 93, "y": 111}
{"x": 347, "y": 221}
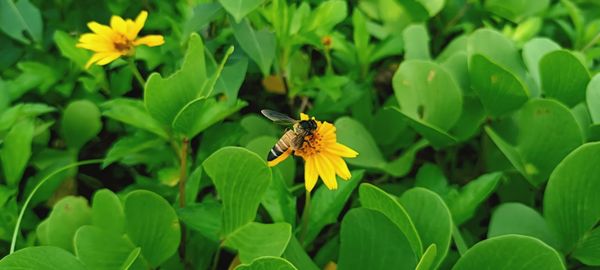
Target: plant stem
{"x": 136, "y": 72}
{"x": 305, "y": 217}
{"x": 13, "y": 243}
{"x": 183, "y": 171}
{"x": 215, "y": 262}
{"x": 182, "y": 179}
{"x": 591, "y": 43}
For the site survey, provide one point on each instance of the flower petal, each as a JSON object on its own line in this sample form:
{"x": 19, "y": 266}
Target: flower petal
{"x": 341, "y": 150}
{"x": 303, "y": 116}
{"x": 118, "y": 24}
{"x": 109, "y": 57}
{"x": 151, "y": 40}
{"x": 280, "y": 158}
{"x": 326, "y": 171}
{"x": 310, "y": 174}
{"x": 100, "y": 29}
{"x": 102, "y": 58}
{"x": 94, "y": 42}
{"x": 340, "y": 166}
{"x": 94, "y": 59}
{"x": 136, "y": 26}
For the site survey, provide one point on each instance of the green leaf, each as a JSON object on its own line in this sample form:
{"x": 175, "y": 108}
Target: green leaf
{"x": 371, "y": 197}
{"x": 203, "y": 217}
{"x": 107, "y": 212}
{"x": 354, "y": 135}
{"x": 231, "y": 79}
{"x": 326, "y": 205}
{"x": 267, "y": 263}
{"x": 16, "y": 150}
{"x": 570, "y": 199}
{"x": 428, "y": 258}
{"x": 431, "y": 177}
{"x": 327, "y": 15}
{"x": 41, "y": 258}
{"x": 202, "y": 113}
{"x": 278, "y": 200}
{"x": 261, "y": 145}
{"x": 564, "y": 77}
{"x": 66, "y": 46}
{"x": 463, "y": 204}
{"x": 547, "y": 132}
{"x": 432, "y": 6}
{"x": 498, "y": 49}
{"x": 427, "y": 92}
{"x": 132, "y": 112}
{"x": 255, "y": 240}
{"x": 152, "y": 224}
{"x": 295, "y": 253}
{"x": 516, "y": 10}
{"x": 515, "y": 252}
{"x": 517, "y": 218}
{"x": 369, "y": 240}
{"x": 258, "y": 45}
{"x": 432, "y": 220}
{"x": 100, "y": 249}
{"x": 499, "y": 89}
{"x": 593, "y": 99}
{"x": 588, "y": 251}
{"x": 19, "y": 18}
{"x": 361, "y": 37}
{"x": 430, "y": 98}
{"x": 241, "y": 179}
{"x": 533, "y": 51}
{"x": 126, "y": 148}
{"x": 180, "y": 88}
{"x": 202, "y": 14}
{"x": 240, "y": 8}
{"x": 66, "y": 217}
{"x": 416, "y": 42}
{"x": 80, "y": 123}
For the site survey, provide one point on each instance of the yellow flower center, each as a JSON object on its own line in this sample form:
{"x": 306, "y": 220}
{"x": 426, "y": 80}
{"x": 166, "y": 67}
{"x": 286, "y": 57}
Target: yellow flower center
{"x": 312, "y": 146}
{"x": 122, "y": 44}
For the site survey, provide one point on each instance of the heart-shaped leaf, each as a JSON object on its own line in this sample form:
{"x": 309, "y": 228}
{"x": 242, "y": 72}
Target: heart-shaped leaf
{"x": 547, "y": 132}
{"x": 259, "y": 45}
{"x": 267, "y": 263}
{"x": 564, "y": 77}
{"x": 372, "y": 197}
{"x": 241, "y": 178}
{"x": 255, "y": 240}
{"x": 432, "y": 220}
{"x": 517, "y": 218}
{"x": 510, "y": 252}
{"x": 570, "y": 199}
{"x": 152, "y": 224}
{"x": 80, "y": 123}
{"x": 41, "y": 258}
{"x": 240, "y": 8}
{"x": 369, "y": 240}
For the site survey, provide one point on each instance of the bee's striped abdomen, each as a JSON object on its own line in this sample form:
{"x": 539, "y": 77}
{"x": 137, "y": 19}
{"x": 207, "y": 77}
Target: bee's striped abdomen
{"x": 281, "y": 146}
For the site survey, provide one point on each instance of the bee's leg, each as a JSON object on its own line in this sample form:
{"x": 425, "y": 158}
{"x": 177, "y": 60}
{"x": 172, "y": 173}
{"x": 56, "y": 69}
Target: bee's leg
{"x": 308, "y": 141}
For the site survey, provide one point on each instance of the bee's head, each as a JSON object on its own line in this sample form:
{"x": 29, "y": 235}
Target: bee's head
{"x": 308, "y": 124}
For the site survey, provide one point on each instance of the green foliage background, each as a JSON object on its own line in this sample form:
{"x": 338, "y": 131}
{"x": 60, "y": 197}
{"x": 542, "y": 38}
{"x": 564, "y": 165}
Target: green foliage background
{"x": 476, "y": 122}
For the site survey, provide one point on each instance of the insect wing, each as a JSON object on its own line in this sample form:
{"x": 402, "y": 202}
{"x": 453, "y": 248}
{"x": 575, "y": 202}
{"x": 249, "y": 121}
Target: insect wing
{"x": 278, "y": 118}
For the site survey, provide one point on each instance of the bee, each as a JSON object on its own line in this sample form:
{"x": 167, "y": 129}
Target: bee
{"x": 293, "y": 138}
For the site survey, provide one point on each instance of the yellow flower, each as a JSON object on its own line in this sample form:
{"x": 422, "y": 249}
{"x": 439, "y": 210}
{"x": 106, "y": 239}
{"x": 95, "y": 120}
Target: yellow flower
{"x": 323, "y": 156}
{"x": 118, "y": 39}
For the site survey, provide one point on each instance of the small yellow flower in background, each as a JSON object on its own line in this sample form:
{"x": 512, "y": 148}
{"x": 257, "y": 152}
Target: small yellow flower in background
{"x": 118, "y": 39}
{"x": 323, "y": 156}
